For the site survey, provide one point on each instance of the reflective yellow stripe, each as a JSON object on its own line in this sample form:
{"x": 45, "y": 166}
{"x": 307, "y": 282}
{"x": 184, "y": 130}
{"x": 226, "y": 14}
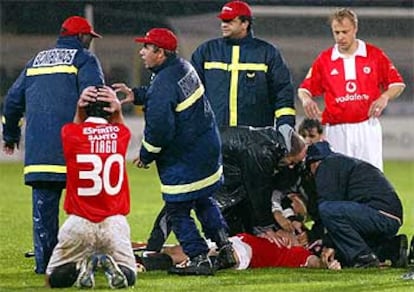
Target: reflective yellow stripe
{"x": 44, "y": 168}
{"x": 248, "y": 67}
{"x": 52, "y": 70}
{"x": 286, "y": 111}
{"x": 150, "y": 148}
{"x": 216, "y": 65}
{"x": 190, "y": 100}
{"x": 234, "y": 79}
{"x": 195, "y": 186}
{"x": 238, "y": 66}
{"x": 234, "y": 69}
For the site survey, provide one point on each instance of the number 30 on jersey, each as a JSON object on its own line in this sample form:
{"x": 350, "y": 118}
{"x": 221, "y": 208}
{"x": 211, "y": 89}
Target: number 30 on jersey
{"x": 100, "y": 174}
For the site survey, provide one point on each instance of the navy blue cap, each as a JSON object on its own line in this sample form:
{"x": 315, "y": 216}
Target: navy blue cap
{"x": 318, "y": 151}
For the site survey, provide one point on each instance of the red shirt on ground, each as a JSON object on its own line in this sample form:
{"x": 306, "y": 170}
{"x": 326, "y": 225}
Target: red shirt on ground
{"x": 267, "y": 254}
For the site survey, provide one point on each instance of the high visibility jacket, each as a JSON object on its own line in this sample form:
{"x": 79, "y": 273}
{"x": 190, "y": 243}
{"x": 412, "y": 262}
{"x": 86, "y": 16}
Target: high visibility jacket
{"x": 180, "y": 133}
{"x": 46, "y": 93}
{"x": 247, "y": 82}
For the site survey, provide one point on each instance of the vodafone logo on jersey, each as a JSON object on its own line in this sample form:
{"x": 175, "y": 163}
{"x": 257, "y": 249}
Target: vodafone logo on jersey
{"x": 350, "y": 95}
{"x": 350, "y": 86}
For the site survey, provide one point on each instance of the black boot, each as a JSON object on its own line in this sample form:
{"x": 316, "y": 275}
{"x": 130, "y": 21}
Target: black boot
{"x": 225, "y": 258}
{"x": 394, "y": 250}
{"x": 198, "y": 265}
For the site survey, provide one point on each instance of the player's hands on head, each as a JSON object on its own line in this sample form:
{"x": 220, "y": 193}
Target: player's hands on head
{"x": 107, "y": 94}
{"x": 88, "y": 95}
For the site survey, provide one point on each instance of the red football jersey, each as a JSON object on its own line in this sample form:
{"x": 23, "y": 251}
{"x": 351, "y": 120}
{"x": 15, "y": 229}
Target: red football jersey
{"x": 97, "y": 183}
{"x": 351, "y": 84}
{"x": 267, "y": 254}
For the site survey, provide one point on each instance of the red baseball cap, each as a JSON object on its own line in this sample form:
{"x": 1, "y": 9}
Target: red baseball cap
{"x": 233, "y": 9}
{"x": 76, "y": 24}
{"x": 161, "y": 37}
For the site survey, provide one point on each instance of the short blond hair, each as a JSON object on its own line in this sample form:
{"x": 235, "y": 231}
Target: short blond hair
{"x": 341, "y": 13}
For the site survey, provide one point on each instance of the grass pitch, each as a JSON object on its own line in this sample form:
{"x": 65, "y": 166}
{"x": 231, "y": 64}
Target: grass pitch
{"x": 16, "y": 271}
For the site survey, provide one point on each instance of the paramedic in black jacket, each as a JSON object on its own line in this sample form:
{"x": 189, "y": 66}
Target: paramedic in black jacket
{"x": 257, "y": 161}
{"x": 357, "y": 204}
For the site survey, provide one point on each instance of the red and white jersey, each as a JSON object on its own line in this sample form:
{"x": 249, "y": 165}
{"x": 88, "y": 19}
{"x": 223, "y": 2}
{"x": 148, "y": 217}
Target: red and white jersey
{"x": 263, "y": 253}
{"x": 350, "y": 84}
{"x": 97, "y": 183}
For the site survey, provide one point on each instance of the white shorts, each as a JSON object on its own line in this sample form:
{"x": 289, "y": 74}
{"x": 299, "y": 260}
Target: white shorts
{"x": 360, "y": 140}
{"x": 79, "y": 238}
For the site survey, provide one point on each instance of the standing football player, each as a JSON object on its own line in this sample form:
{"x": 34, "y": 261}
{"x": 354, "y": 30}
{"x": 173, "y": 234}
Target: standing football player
{"x": 357, "y": 80}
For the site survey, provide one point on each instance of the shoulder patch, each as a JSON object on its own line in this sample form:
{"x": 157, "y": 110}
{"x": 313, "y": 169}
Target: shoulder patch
{"x": 189, "y": 83}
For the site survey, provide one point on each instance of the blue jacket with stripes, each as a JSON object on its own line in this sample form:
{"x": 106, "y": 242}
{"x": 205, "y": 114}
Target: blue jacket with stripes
{"x": 180, "y": 133}
{"x": 46, "y": 93}
{"x": 247, "y": 82}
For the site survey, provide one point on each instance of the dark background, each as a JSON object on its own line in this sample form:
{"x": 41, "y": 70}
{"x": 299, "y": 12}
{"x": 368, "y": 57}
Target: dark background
{"x": 26, "y": 26}
{"x": 40, "y": 17}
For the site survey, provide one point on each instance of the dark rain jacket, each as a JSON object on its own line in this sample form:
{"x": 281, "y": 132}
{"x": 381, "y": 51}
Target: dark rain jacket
{"x": 46, "y": 93}
{"x": 252, "y": 170}
{"x": 343, "y": 178}
{"x": 247, "y": 82}
{"x": 180, "y": 133}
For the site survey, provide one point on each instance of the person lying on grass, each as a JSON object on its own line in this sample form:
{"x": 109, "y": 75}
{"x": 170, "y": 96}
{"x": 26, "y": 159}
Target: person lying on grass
{"x": 250, "y": 251}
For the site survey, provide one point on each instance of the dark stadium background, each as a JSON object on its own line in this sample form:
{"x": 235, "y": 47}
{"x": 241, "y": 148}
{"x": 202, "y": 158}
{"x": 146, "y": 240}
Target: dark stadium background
{"x": 26, "y": 26}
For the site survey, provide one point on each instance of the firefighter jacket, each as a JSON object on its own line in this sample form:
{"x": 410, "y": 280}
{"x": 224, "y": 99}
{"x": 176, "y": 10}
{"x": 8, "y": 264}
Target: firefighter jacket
{"x": 247, "y": 82}
{"x": 46, "y": 93}
{"x": 180, "y": 133}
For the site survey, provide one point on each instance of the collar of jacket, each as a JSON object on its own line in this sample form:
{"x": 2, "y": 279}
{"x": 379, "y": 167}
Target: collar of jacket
{"x": 69, "y": 42}
{"x": 241, "y": 41}
{"x": 170, "y": 59}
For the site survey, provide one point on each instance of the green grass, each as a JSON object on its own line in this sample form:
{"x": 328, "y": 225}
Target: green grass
{"x": 16, "y": 272}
